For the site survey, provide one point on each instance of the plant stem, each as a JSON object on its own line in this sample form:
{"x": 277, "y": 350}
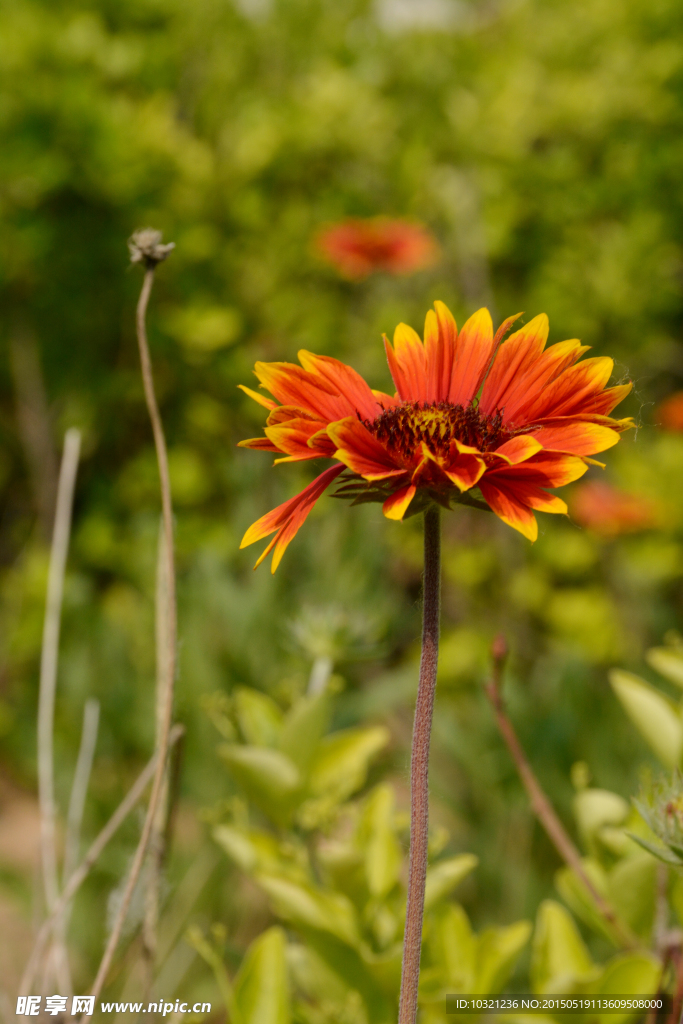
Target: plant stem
{"x": 419, "y": 768}
{"x": 81, "y": 873}
{"x": 48, "y": 687}
{"x": 170, "y": 660}
{"x": 542, "y": 807}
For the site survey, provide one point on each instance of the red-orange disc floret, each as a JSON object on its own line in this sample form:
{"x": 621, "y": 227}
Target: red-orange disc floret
{"x": 512, "y": 418}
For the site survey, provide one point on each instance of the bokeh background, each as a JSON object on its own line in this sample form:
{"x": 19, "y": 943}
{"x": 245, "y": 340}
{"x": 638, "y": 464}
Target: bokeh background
{"x": 541, "y": 144}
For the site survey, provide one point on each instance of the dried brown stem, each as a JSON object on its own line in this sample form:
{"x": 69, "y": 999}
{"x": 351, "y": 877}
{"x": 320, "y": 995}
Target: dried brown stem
{"x": 419, "y": 768}
{"x": 542, "y": 807}
{"x": 170, "y": 660}
{"x": 49, "y": 659}
{"x": 80, "y": 874}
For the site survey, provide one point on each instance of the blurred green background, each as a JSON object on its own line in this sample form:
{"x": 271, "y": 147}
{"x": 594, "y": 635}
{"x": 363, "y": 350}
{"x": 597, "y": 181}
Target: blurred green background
{"x": 542, "y": 144}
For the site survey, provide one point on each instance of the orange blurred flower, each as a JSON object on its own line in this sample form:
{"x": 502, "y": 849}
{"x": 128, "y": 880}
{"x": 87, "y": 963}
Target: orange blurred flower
{"x": 358, "y": 248}
{"x": 670, "y": 412}
{"x": 608, "y": 511}
{"x": 511, "y": 419}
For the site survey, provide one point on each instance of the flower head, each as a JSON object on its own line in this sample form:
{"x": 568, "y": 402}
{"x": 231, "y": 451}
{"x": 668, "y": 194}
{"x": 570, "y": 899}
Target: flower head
{"x": 358, "y": 248}
{"x": 609, "y": 512}
{"x": 507, "y": 418}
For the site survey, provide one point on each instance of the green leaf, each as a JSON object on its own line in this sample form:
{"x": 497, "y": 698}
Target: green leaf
{"x": 321, "y": 909}
{"x": 631, "y": 891}
{"x": 668, "y": 662}
{"x": 629, "y": 974}
{"x": 377, "y": 839}
{"x": 258, "y": 716}
{"x": 573, "y": 891}
{"x": 341, "y": 764}
{"x": 497, "y": 953}
{"x": 662, "y": 853}
{"x": 653, "y": 714}
{"x": 268, "y": 777}
{"x": 303, "y": 728}
{"x": 594, "y": 808}
{"x": 558, "y": 953}
{"x": 454, "y": 946}
{"x": 261, "y": 987}
{"x": 444, "y": 876}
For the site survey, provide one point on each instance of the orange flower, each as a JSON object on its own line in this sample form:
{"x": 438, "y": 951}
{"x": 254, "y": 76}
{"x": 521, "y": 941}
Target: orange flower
{"x": 511, "y": 419}
{"x": 360, "y": 247}
{"x": 670, "y": 412}
{"x": 608, "y": 511}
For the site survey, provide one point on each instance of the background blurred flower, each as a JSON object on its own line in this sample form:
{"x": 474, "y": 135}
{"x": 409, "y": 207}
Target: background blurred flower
{"x": 670, "y": 412}
{"x": 358, "y": 248}
{"x": 609, "y": 511}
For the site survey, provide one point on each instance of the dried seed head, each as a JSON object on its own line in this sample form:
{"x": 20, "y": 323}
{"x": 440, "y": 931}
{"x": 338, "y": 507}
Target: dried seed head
{"x": 146, "y": 247}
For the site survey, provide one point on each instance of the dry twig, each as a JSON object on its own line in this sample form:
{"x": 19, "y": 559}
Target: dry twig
{"x": 48, "y": 686}
{"x": 80, "y": 874}
{"x": 541, "y": 805}
{"x": 146, "y": 248}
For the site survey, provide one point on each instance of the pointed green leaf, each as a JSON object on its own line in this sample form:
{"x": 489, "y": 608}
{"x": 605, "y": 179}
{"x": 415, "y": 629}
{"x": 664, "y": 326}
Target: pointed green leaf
{"x": 629, "y": 974}
{"x": 258, "y": 716}
{"x": 497, "y": 952}
{"x": 668, "y": 661}
{"x": 653, "y": 714}
{"x": 261, "y": 989}
{"x": 268, "y": 777}
{"x": 558, "y": 953}
{"x": 454, "y": 946}
{"x": 444, "y": 876}
{"x": 631, "y": 888}
{"x": 303, "y": 728}
{"x": 377, "y": 839}
{"x": 662, "y": 853}
{"x": 308, "y": 907}
{"x": 341, "y": 764}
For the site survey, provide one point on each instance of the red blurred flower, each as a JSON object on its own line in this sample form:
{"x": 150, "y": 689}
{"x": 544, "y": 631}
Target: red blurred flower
{"x": 510, "y": 419}
{"x": 608, "y": 511}
{"x": 670, "y": 412}
{"x": 361, "y": 247}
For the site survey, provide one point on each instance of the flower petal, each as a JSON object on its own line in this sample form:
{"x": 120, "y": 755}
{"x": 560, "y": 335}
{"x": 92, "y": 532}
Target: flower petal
{"x": 360, "y": 451}
{"x": 407, "y": 364}
{"x": 261, "y": 399}
{"x": 262, "y": 444}
{"x": 288, "y": 517}
{"x": 545, "y": 469}
{"x": 576, "y": 390}
{"x": 472, "y": 353}
{"x": 440, "y": 338}
{"x": 292, "y": 385}
{"x": 293, "y": 438}
{"x": 519, "y": 449}
{"x": 575, "y": 437}
{"x": 465, "y": 471}
{"x": 346, "y": 381}
{"x": 516, "y": 359}
{"x": 510, "y": 508}
{"x": 395, "y": 507}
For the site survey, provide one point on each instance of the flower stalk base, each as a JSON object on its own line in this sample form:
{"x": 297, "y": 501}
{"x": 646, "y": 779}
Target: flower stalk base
{"x": 419, "y": 768}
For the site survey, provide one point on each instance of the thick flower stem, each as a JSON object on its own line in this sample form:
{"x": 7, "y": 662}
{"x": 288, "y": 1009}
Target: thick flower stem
{"x": 419, "y": 768}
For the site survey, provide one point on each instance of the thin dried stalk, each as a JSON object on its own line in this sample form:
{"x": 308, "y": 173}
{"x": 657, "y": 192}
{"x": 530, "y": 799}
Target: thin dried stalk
{"x": 155, "y": 855}
{"x": 81, "y": 873}
{"x": 419, "y": 768}
{"x": 166, "y": 701}
{"x": 541, "y": 805}
{"x": 48, "y": 686}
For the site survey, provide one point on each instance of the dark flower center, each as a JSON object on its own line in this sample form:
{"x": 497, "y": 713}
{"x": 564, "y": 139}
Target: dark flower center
{"x": 403, "y": 428}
